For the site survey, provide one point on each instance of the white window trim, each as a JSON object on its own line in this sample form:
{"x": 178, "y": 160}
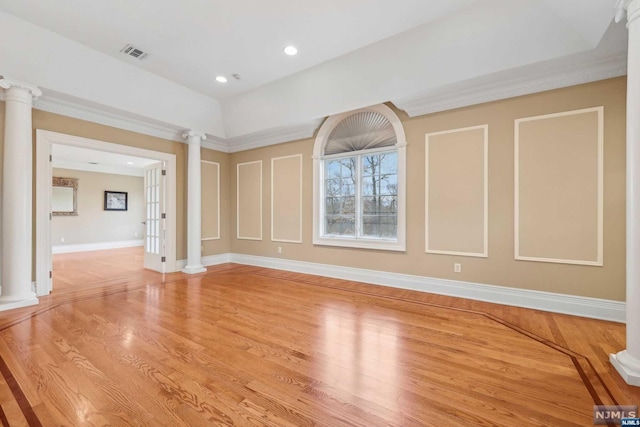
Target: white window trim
{"x": 398, "y": 244}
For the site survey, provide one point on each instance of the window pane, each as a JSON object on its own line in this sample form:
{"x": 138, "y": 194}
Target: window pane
{"x": 370, "y": 186}
{"x": 332, "y": 205}
{"x": 340, "y": 225}
{"x": 348, "y": 189}
{"x": 340, "y": 205}
{"x": 340, "y": 168}
{"x": 370, "y": 165}
{"x": 332, "y": 169}
{"x": 332, "y": 187}
{"x": 389, "y": 185}
{"x": 379, "y": 226}
{"x": 377, "y": 202}
{"x": 380, "y": 164}
{"x": 389, "y": 163}
{"x": 348, "y": 168}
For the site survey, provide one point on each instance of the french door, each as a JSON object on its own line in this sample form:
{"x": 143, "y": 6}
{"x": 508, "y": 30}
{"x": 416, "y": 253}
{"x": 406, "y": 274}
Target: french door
{"x": 155, "y": 217}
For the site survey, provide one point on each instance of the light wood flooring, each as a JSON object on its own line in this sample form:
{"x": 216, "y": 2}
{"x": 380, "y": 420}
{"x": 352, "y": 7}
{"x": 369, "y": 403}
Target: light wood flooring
{"x": 238, "y": 345}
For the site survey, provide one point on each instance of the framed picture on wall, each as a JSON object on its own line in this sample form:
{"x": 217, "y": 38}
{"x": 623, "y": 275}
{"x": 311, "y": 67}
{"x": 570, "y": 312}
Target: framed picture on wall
{"x": 115, "y": 201}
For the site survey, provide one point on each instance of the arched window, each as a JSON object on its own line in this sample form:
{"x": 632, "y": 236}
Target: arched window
{"x": 360, "y": 180}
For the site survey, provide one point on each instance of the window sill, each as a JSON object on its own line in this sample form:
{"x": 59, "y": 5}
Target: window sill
{"x": 382, "y": 245}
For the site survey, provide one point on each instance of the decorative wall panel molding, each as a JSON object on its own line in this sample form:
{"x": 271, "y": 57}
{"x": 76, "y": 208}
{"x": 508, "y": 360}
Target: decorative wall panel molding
{"x": 210, "y": 205}
{"x": 457, "y": 191}
{"x": 286, "y": 199}
{"x": 249, "y": 200}
{"x": 559, "y": 187}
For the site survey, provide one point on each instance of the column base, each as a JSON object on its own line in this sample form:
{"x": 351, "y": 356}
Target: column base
{"x": 194, "y": 269}
{"x": 627, "y": 366}
{"x": 9, "y": 303}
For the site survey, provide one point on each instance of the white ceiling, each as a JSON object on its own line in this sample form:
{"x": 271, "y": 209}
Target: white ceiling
{"x": 191, "y": 41}
{"x": 353, "y": 53}
{"x": 70, "y": 157}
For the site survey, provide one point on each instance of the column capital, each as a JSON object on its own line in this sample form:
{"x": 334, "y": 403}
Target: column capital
{"x": 6, "y": 83}
{"x": 630, "y": 8}
{"x": 194, "y": 137}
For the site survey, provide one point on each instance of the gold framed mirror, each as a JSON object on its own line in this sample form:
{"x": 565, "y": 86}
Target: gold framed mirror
{"x": 64, "y": 196}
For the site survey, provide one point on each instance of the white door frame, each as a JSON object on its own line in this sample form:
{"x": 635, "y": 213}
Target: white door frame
{"x": 153, "y": 256}
{"x": 44, "y": 139}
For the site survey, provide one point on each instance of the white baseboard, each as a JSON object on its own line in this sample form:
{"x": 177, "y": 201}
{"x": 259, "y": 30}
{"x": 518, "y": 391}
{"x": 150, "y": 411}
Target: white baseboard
{"x": 31, "y": 300}
{"x": 547, "y": 301}
{"x": 64, "y": 249}
{"x": 594, "y": 308}
{"x": 207, "y": 261}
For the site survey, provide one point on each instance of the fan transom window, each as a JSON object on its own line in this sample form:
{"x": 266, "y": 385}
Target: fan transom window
{"x": 359, "y": 161}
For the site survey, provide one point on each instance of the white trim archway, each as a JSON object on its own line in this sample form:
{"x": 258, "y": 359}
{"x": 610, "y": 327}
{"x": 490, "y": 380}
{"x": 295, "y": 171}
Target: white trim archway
{"x": 318, "y": 210}
{"x": 44, "y": 139}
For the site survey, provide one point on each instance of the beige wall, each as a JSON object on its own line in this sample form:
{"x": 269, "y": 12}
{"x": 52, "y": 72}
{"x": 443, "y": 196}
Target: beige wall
{"x": 500, "y": 268}
{"x": 558, "y": 187}
{"x": 57, "y": 123}
{"x": 221, "y": 245}
{"x": 93, "y": 224}
{"x": 456, "y": 192}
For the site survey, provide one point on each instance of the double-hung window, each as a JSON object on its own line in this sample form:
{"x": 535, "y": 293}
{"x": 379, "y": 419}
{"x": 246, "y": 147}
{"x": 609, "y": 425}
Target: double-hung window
{"x": 359, "y": 181}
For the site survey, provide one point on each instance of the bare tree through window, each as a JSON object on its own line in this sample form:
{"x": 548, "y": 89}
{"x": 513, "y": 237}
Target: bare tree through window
{"x": 379, "y": 195}
{"x": 374, "y": 210}
{"x": 340, "y": 197}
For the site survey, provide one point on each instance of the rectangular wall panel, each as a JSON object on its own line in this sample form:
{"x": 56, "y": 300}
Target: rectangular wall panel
{"x": 249, "y": 200}
{"x": 558, "y": 187}
{"x": 286, "y": 199}
{"x": 210, "y": 189}
{"x": 456, "y": 199}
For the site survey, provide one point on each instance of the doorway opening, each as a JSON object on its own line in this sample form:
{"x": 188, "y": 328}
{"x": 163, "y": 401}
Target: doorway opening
{"x": 156, "y": 230}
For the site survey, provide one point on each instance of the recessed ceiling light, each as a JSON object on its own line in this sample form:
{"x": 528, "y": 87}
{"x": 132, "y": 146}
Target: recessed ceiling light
{"x": 129, "y": 163}
{"x": 290, "y": 50}
{"x": 221, "y": 79}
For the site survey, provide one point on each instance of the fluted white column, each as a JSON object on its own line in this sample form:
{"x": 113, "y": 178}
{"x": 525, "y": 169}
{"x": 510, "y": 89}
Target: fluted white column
{"x": 17, "y": 195}
{"x": 194, "y": 202}
{"x": 627, "y": 362}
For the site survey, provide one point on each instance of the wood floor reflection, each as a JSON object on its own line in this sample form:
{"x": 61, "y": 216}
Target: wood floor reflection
{"x": 243, "y": 345}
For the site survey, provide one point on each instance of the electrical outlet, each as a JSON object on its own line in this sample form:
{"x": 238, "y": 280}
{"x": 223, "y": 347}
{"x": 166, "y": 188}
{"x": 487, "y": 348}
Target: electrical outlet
{"x": 135, "y": 234}
{"x": 457, "y": 268}
{"x": 62, "y": 240}
{"x": 279, "y": 249}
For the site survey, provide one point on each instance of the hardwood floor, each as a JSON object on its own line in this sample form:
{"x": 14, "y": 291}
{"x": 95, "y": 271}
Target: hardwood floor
{"x": 242, "y": 345}
{"x": 77, "y": 270}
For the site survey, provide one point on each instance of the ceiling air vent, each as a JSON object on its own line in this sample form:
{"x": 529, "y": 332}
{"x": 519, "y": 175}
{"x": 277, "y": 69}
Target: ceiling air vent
{"x": 134, "y": 52}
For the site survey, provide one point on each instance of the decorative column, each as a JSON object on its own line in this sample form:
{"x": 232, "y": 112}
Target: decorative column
{"x": 194, "y": 213}
{"x": 627, "y": 362}
{"x": 17, "y": 195}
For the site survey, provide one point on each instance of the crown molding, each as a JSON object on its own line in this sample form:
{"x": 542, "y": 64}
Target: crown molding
{"x": 120, "y": 120}
{"x": 216, "y": 144}
{"x": 274, "y": 136}
{"x": 461, "y": 95}
{"x": 621, "y": 9}
{"x": 447, "y": 98}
